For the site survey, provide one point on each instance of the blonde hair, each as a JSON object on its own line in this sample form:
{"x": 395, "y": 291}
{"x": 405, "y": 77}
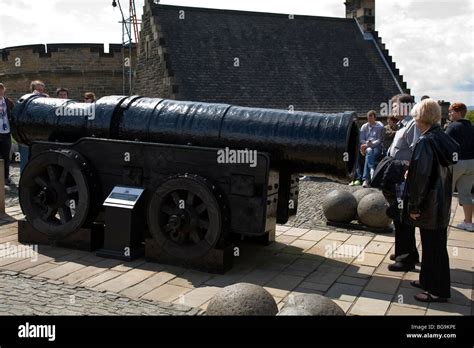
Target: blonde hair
{"x": 428, "y": 111}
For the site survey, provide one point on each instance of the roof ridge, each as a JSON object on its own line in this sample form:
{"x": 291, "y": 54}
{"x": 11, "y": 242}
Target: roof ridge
{"x": 246, "y": 12}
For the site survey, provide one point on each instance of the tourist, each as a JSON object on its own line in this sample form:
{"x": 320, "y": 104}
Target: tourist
{"x": 38, "y": 87}
{"x": 390, "y": 130}
{"x": 371, "y": 140}
{"x": 6, "y": 107}
{"x": 89, "y": 97}
{"x": 404, "y": 141}
{"x": 62, "y": 93}
{"x": 427, "y": 201}
{"x": 462, "y": 131}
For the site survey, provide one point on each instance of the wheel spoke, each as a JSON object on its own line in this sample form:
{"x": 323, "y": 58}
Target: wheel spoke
{"x": 62, "y": 178}
{"x": 64, "y": 215}
{"x": 201, "y": 208}
{"x": 176, "y": 198}
{"x": 203, "y": 224}
{"x": 72, "y": 189}
{"x": 51, "y": 173}
{"x": 49, "y": 213}
{"x": 168, "y": 210}
{"x": 190, "y": 199}
{"x": 194, "y": 235}
{"x": 41, "y": 182}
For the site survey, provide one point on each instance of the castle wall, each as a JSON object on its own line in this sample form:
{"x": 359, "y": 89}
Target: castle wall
{"x": 78, "y": 67}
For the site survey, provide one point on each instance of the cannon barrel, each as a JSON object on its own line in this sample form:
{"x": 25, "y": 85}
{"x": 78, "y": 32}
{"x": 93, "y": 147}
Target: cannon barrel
{"x": 300, "y": 142}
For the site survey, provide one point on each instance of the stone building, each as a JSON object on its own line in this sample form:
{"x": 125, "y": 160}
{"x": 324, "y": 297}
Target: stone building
{"x": 266, "y": 60}
{"x": 78, "y": 67}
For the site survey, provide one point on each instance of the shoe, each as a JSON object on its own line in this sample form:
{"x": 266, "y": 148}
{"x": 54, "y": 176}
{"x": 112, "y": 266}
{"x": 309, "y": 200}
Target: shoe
{"x": 366, "y": 184}
{"x": 427, "y": 297}
{"x": 392, "y": 257}
{"x": 466, "y": 226}
{"x": 401, "y": 267}
{"x": 416, "y": 284}
{"x": 355, "y": 183}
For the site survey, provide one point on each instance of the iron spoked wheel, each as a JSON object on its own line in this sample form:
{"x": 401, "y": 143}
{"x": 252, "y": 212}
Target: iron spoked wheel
{"x": 184, "y": 216}
{"x": 55, "y": 193}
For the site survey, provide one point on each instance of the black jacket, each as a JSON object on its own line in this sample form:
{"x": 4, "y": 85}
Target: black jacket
{"x": 428, "y": 188}
{"x": 463, "y": 132}
{"x": 10, "y": 106}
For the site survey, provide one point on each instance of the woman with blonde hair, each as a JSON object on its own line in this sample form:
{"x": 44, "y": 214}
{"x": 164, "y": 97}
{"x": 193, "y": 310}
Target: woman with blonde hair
{"x": 427, "y": 200}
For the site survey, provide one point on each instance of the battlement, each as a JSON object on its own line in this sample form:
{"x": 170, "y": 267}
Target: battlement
{"x": 79, "y": 67}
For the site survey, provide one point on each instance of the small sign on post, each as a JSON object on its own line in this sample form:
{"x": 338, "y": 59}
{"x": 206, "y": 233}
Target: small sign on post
{"x": 123, "y": 224}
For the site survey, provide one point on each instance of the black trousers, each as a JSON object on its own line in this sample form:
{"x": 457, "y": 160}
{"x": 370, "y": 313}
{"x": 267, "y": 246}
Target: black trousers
{"x": 5, "y": 147}
{"x": 405, "y": 242}
{"x": 434, "y": 275}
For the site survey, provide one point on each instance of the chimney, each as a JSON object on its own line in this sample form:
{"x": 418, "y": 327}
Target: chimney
{"x": 363, "y": 11}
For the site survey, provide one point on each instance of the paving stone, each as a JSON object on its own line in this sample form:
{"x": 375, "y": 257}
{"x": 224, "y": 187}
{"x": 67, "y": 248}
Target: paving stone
{"x": 149, "y": 284}
{"x": 259, "y": 276}
{"x": 383, "y": 284}
{"x": 191, "y": 279}
{"x": 338, "y": 236}
{"x": 352, "y": 280}
{"x": 377, "y": 247}
{"x": 447, "y": 309}
{"x": 197, "y": 297}
{"x": 61, "y": 271}
{"x": 344, "y": 292}
{"x": 403, "y": 311}
{"x": 166, "y": 293}
{"x": 314, "y": 235}
{"x": 101, "y": 278}
{"x": 371, "y": 303}
{"x": 359, "y": 271}
{"x": 296, "y": 232}
{"x": 369, "y": 259}
{"x": 126, "y": 280}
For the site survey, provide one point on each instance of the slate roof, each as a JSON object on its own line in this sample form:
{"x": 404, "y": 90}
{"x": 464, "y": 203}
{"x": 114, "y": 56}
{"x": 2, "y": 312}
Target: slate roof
{"x": 283, "y": 61}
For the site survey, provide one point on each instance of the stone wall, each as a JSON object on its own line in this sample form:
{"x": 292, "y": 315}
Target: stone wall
{"x": 78, "y": 67}
{"x": 154, "y": 76}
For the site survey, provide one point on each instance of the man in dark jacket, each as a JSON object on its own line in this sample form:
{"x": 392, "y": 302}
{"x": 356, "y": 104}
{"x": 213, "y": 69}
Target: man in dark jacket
{"x": 6, "y": 107}
{"x": 462, "y": 131}
{"x": 428, "y": 200}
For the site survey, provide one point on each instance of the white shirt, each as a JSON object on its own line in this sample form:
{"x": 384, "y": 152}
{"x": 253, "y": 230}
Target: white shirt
{"x": 405, "y": 140}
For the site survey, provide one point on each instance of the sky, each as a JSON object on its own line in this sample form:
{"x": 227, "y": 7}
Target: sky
{"x": 432, "y": 41}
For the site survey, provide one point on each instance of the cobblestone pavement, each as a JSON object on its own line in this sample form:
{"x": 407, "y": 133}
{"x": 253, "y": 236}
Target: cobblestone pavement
{"x": 11, "y": 191}
{"x": 312, "y": 193}
{"x": 23, "y": 294}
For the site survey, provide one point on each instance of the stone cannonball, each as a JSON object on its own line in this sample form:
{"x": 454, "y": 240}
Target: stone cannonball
{"x": 372, "y": 211}
{"x": 242, "y": 299}
{"x": 340, "y": 206}
{"x": 361, "y": 193}
{"x": 313, "y": 304}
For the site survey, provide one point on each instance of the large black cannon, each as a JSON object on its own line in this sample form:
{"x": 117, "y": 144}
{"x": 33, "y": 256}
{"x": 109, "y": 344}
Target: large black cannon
{"x": 206, "y": 170}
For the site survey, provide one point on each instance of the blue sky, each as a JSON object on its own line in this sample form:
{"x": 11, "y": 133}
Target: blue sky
{"x": 432, "y": 41}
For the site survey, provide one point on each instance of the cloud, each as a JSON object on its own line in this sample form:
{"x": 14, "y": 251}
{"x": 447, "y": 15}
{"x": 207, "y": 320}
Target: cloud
{"x": 433, "y": 45}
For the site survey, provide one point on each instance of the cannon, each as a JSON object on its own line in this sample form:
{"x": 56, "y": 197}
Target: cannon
{"x": 206, "y": 171}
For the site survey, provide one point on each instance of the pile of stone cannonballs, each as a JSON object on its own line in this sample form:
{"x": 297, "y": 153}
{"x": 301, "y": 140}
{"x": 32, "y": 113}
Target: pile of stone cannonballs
{"x": 366, "y": 204}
